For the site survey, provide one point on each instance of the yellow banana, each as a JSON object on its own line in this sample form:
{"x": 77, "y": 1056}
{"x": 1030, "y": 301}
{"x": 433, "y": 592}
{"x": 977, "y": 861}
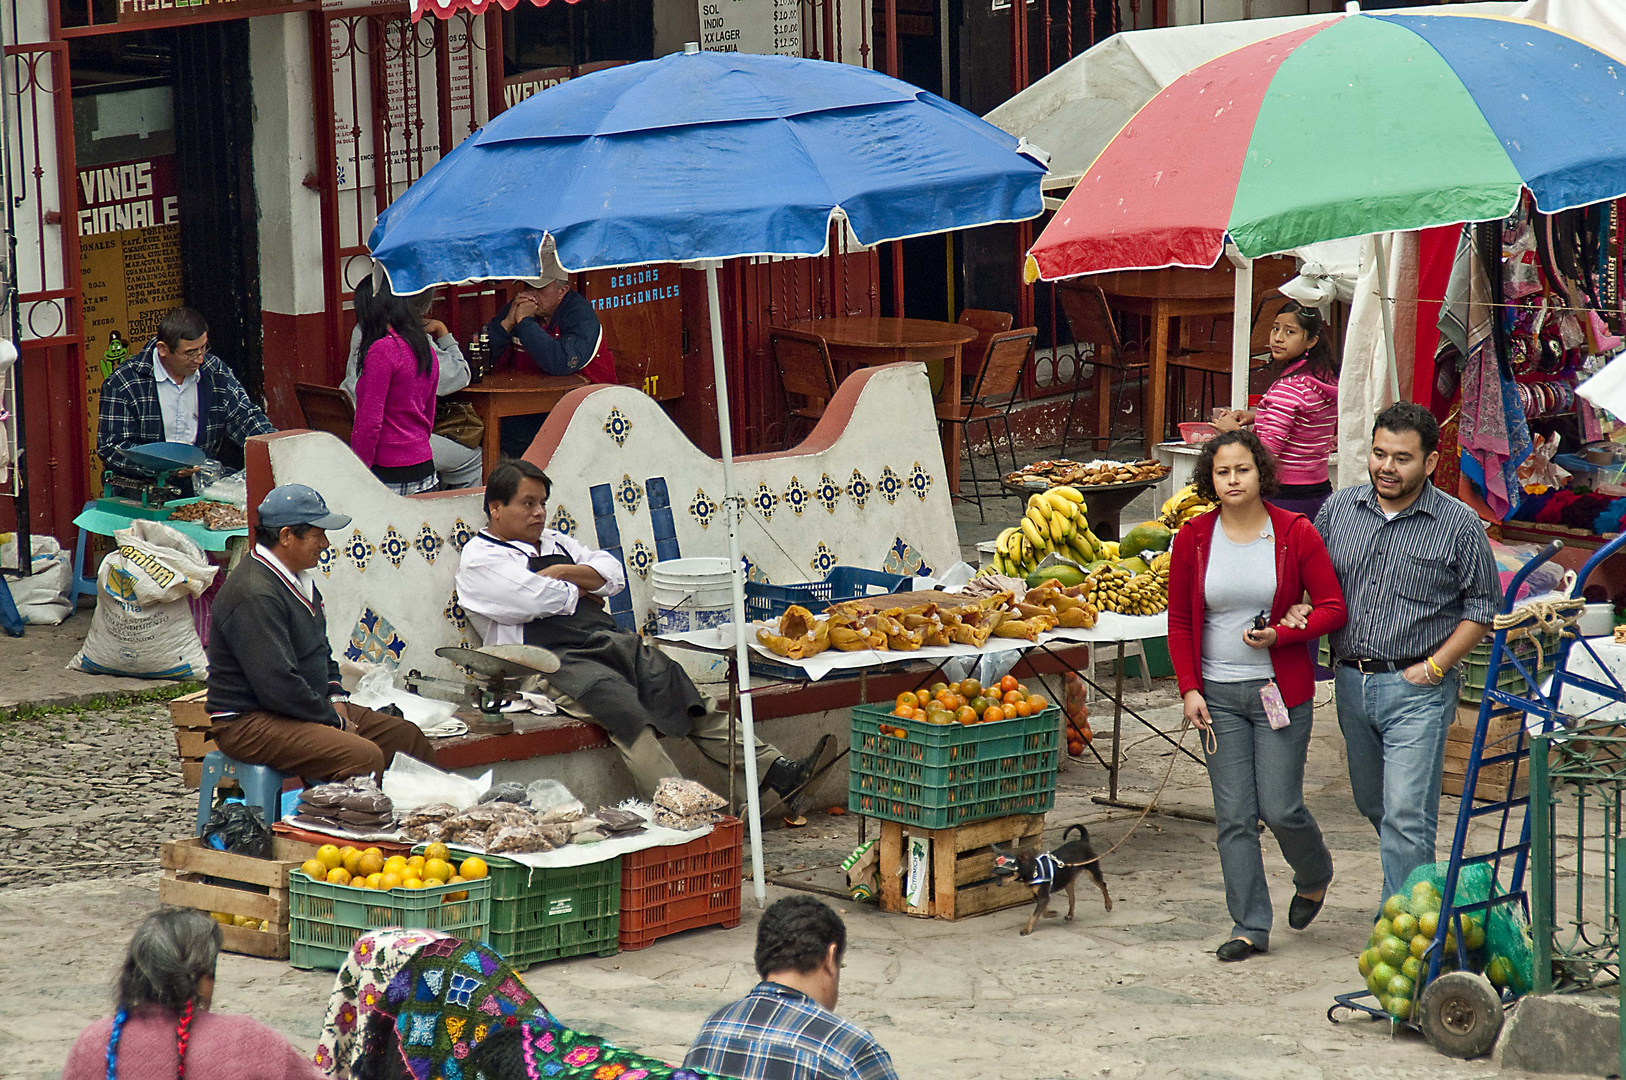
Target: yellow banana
{"x": 1071, "y": 494}
{"x": 1002, "y": 544}
{"x": 1061, "y": 504}
{"x": 1038, "y": 517}
{"x": 1037, "y": 503}
{"x": 1030, "y": 530}
{"x": 1060, "y": 528}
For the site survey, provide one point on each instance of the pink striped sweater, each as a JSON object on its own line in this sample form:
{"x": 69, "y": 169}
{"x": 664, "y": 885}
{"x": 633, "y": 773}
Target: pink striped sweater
{"x": 1297, "y": 420}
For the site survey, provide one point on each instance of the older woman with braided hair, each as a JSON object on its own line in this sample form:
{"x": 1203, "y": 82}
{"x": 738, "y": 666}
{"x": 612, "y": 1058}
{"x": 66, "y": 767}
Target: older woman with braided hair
{"x": 162, "y": 1026}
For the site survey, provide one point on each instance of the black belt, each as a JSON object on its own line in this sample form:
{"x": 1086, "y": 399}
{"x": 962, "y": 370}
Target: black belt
{"x": 1377, "y": 667}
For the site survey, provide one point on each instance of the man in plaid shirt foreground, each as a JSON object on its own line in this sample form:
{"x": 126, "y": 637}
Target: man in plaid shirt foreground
{"x": 784, "y": 1028}
{"x": 174, "y": 390}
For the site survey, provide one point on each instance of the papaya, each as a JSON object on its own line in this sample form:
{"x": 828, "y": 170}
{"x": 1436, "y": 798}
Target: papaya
{"x": 1061, "y": 573}
{"x": 1146, "y": 537}
{"x": 1135, "y": 565}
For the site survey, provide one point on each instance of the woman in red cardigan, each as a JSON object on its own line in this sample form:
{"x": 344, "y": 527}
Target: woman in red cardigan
{"x": 1233, "y": 570}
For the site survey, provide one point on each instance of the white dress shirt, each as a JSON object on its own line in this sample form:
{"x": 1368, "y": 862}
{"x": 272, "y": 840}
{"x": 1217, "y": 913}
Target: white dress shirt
{"x": 178, "y": 402}
{"x": 500, "y": 594}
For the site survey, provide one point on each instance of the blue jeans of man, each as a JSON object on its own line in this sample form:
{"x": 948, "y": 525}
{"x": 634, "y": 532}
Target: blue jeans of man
{"x": 1394, "y": 735}
{"x": 1257, "y": 774}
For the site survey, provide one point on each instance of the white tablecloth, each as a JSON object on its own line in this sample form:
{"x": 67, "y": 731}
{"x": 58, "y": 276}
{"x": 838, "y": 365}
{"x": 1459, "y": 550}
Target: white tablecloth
{"x": 1110, "y": 627}
{"x": 1590, "y": 707}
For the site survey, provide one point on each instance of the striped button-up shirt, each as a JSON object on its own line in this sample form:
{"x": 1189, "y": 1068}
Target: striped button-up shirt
{"x": 1407, "y": 581}
{"x": 776, "y": 1033}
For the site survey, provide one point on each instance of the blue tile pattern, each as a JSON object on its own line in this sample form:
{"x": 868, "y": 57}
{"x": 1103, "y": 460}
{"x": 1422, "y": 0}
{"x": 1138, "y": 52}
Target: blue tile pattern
{"x": 358, "y": 551}
{"x": 394, "y": 547}
{"x": 858, "y": 489}
{"x": 618, "y": 427}
{"x": 462, "y": 533}
{"x": 609, "y": 539}
{"x": 903, "y": 559}
{"x": 828, "y": 493}
{"x": 824, "y": 560}
{"x": 890, "y": 485}
{"x": 797, "y": 497}
{"x": 920, "y": 481}
{"x": 640, "y": 560}
{"x": 765, "y": 501}
{"x": 428, "y": 543}
{"x": 562, "y": 522}
{"x": 630, "y": 494}
{"x": 702, "y": 509}
{"x": 660, "y": 517}
{"x": 326, "y": 560}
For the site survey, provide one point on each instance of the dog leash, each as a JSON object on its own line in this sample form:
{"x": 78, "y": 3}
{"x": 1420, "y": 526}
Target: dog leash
{"x": 1210, "y": 746}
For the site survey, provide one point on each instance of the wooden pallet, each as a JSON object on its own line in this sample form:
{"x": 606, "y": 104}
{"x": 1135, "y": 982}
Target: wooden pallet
{"x": 962, "y": 866}
{"x": 191, "y": 719}
{"x": 197, "y": 876}
{"x": 1500, "y": 737}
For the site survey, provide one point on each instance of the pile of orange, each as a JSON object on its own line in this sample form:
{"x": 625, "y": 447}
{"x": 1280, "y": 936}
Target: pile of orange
{"x": 969, "y": 702}
{"x": 367, "y": 868}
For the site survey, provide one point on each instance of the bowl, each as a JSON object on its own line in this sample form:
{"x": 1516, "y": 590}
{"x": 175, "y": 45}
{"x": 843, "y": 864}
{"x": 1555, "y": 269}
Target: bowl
{"x": 1194, "y": 433}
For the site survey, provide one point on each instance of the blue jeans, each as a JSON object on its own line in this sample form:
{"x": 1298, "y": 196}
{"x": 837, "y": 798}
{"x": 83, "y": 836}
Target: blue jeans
{"x": 1257, "y": 774}
{"x": 1394, "y": 734}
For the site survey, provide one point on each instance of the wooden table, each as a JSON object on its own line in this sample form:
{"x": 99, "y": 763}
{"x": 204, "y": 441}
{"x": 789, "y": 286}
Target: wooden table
{"x": 513, "y": 393}
{"x": 865, "y": 341}
{"x": 1163, "y": 295}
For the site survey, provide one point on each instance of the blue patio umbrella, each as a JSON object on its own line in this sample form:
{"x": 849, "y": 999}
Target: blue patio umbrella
{"x": 698, "y": 157}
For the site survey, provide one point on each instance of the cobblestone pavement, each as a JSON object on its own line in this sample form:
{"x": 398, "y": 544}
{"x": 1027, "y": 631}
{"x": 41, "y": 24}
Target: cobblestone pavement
{"x": 81, "y": 791}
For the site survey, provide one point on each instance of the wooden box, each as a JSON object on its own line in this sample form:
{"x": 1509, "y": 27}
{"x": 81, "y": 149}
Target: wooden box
{"x": 1501, "y": 736}
{"x": 191, "y": 719}
{"x": 197, "y": 876}
{"x": 962, "y": 866}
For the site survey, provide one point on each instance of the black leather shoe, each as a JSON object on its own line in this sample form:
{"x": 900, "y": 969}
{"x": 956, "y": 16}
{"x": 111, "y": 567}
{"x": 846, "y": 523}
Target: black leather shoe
{"x": 1237, "y": 949}
{"x": 787, "y": 776}
{"x": 1302, "y": 911}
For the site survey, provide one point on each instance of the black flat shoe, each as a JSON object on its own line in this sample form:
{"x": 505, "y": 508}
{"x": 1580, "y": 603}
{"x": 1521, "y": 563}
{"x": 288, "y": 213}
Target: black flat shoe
{"x": 1302, "y": 911}
{"x": 1237, "y": 949}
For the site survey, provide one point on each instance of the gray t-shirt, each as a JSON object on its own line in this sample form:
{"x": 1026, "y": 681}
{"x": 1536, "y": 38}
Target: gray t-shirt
{"x": 1239, "y": 584}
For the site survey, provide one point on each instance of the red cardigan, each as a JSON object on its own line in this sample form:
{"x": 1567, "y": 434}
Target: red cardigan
{"x": 1302, "y": 566}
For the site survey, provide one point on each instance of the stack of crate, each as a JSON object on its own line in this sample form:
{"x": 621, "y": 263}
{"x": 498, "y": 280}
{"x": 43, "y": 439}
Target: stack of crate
{"x": 1501, "y": 737}
{"x": 191, "y": 719}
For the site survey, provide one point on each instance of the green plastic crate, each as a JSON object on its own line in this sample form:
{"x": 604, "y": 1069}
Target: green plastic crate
{"x": 542, "y": 914}
{"x": 325, "y": 920}
{"x": 1476, "y": 665}
{"x": 950, "y": 774}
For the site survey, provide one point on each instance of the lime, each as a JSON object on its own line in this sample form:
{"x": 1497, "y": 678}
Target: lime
{"x": 1424, "y": 890}
{"x": 1385, "y": 1002}
{"x": 1366, "y": 962}
{"x": 1428, "y": 923}
{"x": 1400, "y": 1008}
{"x": 1400, "y": 987}
{"x": 1384, "y": 928}
{"x": 1373, "y": 985}
{"x": 1395, "y": 905}
{"x": 1393, "y": 951}
{"x": 1420, "y": 944}
{"x": 1424, "y": 905}
{"x": 1473, "y": 935}
{"x": 1382, "y": 973}
{"x": 1405, "y": 926}
{"x": 1450, "y": 944}
{"x": 1499, "y": 971}
{"x": 1412, "y": 968}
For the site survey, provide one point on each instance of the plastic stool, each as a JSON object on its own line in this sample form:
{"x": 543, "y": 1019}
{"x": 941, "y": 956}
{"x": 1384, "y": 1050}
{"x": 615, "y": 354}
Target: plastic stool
{"x": 261, "y": 786}
{"x": 79, "y": 584}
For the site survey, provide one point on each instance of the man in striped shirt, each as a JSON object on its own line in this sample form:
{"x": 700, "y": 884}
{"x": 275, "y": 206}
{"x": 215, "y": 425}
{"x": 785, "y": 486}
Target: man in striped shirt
{"x": 1421, "y": 588}
{"x": 784, "y": 1028}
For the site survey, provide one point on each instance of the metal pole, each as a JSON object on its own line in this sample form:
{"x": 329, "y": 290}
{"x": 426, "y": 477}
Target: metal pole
{"x": 1241, "y": 326}
{"x": 742, "y": 652}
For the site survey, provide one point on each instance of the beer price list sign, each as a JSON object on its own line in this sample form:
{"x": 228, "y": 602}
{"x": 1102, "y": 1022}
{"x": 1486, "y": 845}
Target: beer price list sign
{"x": 751, "y": 26}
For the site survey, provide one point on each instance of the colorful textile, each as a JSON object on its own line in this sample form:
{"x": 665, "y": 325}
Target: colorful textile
{"x": 775, "y": 1031}
{"x": 443, "y": 995}
{"x": 1419, "y": 120}
{"x": 562, "y": 1054}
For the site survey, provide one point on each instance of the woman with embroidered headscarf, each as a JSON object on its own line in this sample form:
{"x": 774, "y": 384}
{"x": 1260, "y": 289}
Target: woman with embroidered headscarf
{"x": 420, "y": 1005}
{"x": 162, "y": 1026}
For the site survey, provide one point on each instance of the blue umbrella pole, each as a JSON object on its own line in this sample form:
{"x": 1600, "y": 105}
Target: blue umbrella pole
{"x": 742, "y": 651}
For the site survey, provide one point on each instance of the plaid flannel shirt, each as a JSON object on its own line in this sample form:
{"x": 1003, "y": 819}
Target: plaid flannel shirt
{"x": 130, "y": 415}
{"x": 776, "y": 1033}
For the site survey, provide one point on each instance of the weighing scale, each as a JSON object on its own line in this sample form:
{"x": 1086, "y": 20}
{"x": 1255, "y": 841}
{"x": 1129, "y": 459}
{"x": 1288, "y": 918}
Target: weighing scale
{"x": 162, "y": 460}
{"x": 494, "y": 676}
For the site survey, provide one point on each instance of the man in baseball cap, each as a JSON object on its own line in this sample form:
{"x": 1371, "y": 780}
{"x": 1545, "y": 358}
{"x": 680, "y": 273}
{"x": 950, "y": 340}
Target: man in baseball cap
{"x": 274, "y": 692}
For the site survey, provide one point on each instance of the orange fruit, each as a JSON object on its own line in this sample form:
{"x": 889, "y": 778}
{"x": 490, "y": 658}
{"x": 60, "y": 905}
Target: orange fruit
{"x": 473, "y": 868}
{"x": 437, "y": 868}
{"x": 349, "y": 857}
{"x": 906, "y": 700}
{"x": 970, "y": 687}
{"x": 993, "y": 714}
{"x": 375, "y": 881}
{"x": 965, "y": 714}
{"x": 1023, "y": 708}
{"x": 1007, "y": 684}
{"x": 1012, "y": 697}
{"x": 1009, "y": 711}
{"x": 415, "y": 862}
{"x": 389, "y": 881}
{"x": 314, "y": 869}
{"x": 413, "y": 883}
{"x": 370, "y": 862}
{"x": 338, "y": 876}
{"x": 437, "y": 851}
{"x": 1037, "y": 702}
{"x": 939, "y": 687}
{"x": 395, "y": 864}
{"x": 328, "y": 855}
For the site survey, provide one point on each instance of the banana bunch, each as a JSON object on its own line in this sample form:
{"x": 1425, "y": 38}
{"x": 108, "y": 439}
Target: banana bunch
{"x": 1115, "y": 588}
{"x": 1160, "y": 567}
{"x": 1055, "y": 521}
{"x": 1182, "y": 506}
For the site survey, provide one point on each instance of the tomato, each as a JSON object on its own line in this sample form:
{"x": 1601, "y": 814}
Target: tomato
{"x": 993, "y": 714}
{"x": 1007, "y": 684}
{"x": 906, "y": 700}
{"x": 1037, "y": 702}
{"x": 1023, "y": 709}
{"x": 970, "y": 687}
{"x": 1012, "y": 697}
{"x": 1009, "y": 711}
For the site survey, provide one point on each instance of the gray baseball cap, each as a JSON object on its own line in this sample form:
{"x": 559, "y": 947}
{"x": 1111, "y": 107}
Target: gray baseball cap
{"x": 296, "y": 504}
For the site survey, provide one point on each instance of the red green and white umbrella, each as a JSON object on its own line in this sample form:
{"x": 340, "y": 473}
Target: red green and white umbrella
{"x": 1361, "y": 124}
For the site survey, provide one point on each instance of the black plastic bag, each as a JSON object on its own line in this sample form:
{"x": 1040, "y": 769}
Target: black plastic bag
{"x": 238, "y": 828}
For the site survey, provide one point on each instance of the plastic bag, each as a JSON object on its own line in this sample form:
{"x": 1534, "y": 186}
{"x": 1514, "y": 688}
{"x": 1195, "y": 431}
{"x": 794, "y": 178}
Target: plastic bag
{"x": 410, "y": 784}
{"x": 238, "y": 828}
{"x": 143, "y": 624}
{"x": 376, "y": 689}
{"x": 544, "y": 795}
{"x": 1507, "y": 930}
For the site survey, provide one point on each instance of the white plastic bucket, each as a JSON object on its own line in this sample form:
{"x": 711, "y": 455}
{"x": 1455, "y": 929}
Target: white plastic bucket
{"x": 691, "y": 594}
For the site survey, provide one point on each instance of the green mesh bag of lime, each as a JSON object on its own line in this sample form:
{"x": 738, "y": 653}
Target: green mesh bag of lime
{"x": 1395, "y": 959}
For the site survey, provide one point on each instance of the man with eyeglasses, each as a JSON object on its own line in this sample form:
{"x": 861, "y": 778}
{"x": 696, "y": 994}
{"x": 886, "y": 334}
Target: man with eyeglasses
{"x": 174, "y": 390}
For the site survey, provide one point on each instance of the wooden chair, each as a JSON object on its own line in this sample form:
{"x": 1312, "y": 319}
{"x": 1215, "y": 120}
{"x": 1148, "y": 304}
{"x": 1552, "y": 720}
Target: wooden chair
{"x": 1085, "y": 307}
{"x": 993, "y": 395}
{"x": 326, "y": 409}
{"x": 805, "y": 370}
{"x": 987, "y": 324}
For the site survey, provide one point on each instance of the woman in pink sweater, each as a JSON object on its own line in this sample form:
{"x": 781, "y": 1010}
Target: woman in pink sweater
{"x": 395, "y": 394}
{"x": 1297, "y": 419}
{"x": 163, "y": 1027}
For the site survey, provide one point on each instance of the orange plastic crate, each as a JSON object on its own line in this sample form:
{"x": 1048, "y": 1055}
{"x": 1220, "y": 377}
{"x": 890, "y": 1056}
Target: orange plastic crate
{"x": 668, "y": 889}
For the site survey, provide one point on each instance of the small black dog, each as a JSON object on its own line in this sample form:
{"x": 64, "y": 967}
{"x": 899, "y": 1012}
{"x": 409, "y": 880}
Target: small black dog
{"x": 1045, "y": 873}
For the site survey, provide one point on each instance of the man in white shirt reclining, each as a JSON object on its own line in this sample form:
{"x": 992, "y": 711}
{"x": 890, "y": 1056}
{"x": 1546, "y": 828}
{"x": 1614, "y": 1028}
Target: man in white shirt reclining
{"x": 522, "y": 583}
